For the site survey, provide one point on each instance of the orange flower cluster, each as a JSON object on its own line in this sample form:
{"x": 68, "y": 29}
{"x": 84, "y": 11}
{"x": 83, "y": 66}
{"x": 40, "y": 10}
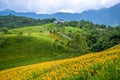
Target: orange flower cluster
{"x": 60, "y": 69}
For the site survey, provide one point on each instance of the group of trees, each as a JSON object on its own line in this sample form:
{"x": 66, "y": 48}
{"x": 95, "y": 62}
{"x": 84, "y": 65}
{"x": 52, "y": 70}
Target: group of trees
{"x": 93, "y": 37}
{"x": 84, "y": 24}
{"x": 79, "y": 44}
{"x": 12, "y": 21}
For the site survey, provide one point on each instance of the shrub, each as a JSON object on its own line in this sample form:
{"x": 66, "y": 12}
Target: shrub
{"x": 19, "y": 36}
{"x": 5, "y": 30}
{"x": 2, "y": 40}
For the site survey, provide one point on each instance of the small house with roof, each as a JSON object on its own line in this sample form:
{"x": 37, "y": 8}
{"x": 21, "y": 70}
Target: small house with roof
{"x": 59, "y": 21}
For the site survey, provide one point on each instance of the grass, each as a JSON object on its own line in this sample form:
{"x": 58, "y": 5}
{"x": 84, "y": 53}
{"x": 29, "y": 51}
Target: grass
{"x": 33, "y": 58}
{"x": 93, "y": 66}
{"x": 34, "y": 48}
{"x": 73, "y": 29}
{"x": 32, "y": 29}
{"x": 16, "y": 53}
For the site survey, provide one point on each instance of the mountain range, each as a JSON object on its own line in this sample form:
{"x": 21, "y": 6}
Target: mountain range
{"x": 107, "y": 16}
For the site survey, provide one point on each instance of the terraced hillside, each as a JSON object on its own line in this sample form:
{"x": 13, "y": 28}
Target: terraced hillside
{"x": 103, "y": 65}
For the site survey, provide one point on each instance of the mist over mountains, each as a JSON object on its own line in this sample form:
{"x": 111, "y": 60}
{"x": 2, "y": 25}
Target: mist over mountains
{"x": 108, "y": 16}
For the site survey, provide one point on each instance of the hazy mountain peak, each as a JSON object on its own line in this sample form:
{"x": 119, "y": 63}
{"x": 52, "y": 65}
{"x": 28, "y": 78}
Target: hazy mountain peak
{"x": 108, "y": 16}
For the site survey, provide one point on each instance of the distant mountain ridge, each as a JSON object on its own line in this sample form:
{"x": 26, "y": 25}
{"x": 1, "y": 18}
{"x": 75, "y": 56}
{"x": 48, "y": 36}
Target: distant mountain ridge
{"x": 109, "y": 16}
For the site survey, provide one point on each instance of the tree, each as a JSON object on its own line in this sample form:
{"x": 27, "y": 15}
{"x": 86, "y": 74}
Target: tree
{"x": 54, "y": 46}
{"x": 79, "y": 43}
{"x": 73, "y": 23}
{"x": 70, "y": 34}
{"x": 78, "y": 25}
{"x": 53, "y": 19}
{"x": 5, "y": 30}
{"x": 2, "y": 40}
{"x": 66, "y": 23}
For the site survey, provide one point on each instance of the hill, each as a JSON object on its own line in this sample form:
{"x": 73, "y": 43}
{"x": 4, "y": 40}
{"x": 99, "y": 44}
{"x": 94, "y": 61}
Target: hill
{"x": 108, "y": 16}
{"x": 93, "y": 66}
{"x": 34, "y": 45}
{"x": 12, "y": 21}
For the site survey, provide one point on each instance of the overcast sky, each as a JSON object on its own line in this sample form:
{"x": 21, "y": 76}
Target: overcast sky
{"x": 52, "y": 6}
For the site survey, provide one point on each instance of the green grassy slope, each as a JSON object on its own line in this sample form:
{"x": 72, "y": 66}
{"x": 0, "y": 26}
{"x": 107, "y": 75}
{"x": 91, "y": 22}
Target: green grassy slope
{"x": 32, "y": 29}
{"x": 34, "y": 48}
{"x": 73, "y": 29}
{"x": 29, "y": 50}
{"x": 93, "y": 66}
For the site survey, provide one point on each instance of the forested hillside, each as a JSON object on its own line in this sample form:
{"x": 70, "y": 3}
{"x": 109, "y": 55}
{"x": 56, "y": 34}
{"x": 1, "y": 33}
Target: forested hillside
{"x": 12, "y": 21}
{"x": 97, "y": 37}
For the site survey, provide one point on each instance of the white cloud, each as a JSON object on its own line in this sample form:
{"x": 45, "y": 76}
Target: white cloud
{"x": 52, "y": 6}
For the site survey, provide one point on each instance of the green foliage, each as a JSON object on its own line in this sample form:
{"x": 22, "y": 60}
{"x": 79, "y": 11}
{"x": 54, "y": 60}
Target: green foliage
{"x": 79, "y": 43}
{"x": 34, "y": 47}
{"x": 12, "y": 21}
{"x": 5, "y": 30}
{"x": 57, "y": 46}
{"x": 108, "y": 71}
{"x": 53, "y": 19}
{"x": 98, "y": 37}
{"x": 73, "y": 23}
{"x": 19, "y": 36}
{"x": 2, "y": 40}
